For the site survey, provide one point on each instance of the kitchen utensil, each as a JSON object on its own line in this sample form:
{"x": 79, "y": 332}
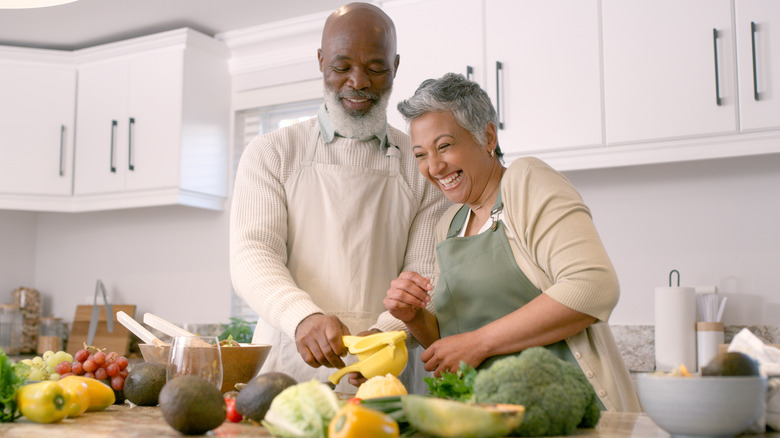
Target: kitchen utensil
{"x": 117, "y": 341}
{"x": 93, "y": 321}
{"x": 196, "y": 355}
{"x": 377, "y": 354}
{"x": 138, "y": 330}
{"x": 167, "y": 327}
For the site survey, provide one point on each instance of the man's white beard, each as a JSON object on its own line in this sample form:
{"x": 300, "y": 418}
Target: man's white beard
{"x": 360, "y": 126}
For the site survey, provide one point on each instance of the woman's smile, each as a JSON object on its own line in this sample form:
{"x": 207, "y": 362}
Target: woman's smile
{"x": 451, "y": 181}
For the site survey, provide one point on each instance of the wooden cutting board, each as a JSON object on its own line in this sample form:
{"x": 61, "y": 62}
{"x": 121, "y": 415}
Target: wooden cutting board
{"x": 118, "y": 340}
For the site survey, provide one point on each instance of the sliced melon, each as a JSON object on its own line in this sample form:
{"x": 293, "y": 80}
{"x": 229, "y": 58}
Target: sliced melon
{"x": 449, "y": 418}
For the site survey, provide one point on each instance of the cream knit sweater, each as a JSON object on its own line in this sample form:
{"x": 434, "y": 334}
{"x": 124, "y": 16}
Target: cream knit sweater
{"x": 258, "y": 222}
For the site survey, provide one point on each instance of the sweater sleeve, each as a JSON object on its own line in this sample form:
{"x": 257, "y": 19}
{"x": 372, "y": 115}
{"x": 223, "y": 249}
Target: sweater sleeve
{"x": 258, "y": 235}
{"x": 554, "y": 228}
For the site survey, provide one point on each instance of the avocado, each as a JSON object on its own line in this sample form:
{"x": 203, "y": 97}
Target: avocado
{"x": 451, "y": 418}
{"x": 255, "y": 398}
{"x": 144, "y": 382}
{"x": 731, "y": 364}
{"x": 192, "y": 405}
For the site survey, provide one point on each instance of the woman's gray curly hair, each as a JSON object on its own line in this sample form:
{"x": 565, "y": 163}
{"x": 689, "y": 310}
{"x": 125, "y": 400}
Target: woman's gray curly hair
{"x": 464, "y": 99}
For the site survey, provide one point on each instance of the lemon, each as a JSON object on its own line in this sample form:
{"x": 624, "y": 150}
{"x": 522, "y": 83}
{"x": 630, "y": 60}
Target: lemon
{"x": 381, "y": 386}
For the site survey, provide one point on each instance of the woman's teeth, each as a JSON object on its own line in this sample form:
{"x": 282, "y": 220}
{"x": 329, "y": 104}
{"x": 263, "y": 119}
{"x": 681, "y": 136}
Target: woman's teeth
{"x": 451, "y": 180}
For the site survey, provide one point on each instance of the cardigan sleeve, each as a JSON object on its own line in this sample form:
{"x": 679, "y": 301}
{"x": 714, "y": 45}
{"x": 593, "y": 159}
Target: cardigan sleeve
{"x": 554, "y": 230}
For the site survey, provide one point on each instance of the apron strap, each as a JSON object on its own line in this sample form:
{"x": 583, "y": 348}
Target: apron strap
{"x": 311, "y": 146}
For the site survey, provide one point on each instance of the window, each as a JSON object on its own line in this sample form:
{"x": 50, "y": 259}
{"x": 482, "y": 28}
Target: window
{"x": 249, "y": 124}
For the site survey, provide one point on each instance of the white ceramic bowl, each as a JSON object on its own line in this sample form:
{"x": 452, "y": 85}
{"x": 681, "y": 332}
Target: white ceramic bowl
{"x": 699, "y": 406}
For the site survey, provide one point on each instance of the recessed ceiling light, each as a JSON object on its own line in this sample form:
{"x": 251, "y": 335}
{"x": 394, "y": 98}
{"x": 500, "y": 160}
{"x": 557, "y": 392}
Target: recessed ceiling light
{"x": 24, "y": 4}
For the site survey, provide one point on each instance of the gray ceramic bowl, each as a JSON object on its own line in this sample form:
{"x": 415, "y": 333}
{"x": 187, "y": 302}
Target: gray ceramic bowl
{"x": 702, "y": 406}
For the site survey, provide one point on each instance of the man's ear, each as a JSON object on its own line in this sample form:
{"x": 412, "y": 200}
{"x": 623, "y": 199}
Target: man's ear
{"x": 395, "y": 65}
{"x": 320, "y": 59}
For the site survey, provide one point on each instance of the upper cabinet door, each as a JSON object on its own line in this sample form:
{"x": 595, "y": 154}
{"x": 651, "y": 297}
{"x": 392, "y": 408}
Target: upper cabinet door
{"x": 544, "y": 64}
{"x": 37, "y": 111}
{"x": 101, "y": 154}
{"x": 758, "y": 55}
{"x": 669, "y": 69}
{"x": 434, "y": 37}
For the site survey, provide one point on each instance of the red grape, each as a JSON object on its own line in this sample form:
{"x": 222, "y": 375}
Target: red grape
{"x": 112, "y": 357}
{"x": 101, "y": 374}
{"x": 90, "y": 375}
{"x": 112, "y": 369}
{"x": 123, "y": 374}
{"x": 90, "y": 366}
{"x": 117, "y": 383}
{"x": 122, "y": 362}
{"x": 62, "y": 368}
{"x": 62, "y": 376}
{"x": 77, "y": 368}
{"x": 81, "y": 355}
{"x": 99, "y": 358}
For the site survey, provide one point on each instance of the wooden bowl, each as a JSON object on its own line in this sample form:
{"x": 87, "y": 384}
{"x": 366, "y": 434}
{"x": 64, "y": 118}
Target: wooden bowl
{"x": 239, "y": 364}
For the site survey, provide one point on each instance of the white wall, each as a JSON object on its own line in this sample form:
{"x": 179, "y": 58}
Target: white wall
{"x": 717, "y": 222}
{"x": 17, "y": 252}
{"x": 171, "y": 261}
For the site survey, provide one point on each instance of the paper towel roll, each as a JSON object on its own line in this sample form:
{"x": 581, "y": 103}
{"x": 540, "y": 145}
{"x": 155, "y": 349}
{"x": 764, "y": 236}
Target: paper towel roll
{"x": 675, "y": 328}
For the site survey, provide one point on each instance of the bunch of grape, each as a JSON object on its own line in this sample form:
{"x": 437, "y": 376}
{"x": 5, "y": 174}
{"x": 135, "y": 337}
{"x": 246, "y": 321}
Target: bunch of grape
{"x": 45, "y": 367}
{"x": 94, "y": 363}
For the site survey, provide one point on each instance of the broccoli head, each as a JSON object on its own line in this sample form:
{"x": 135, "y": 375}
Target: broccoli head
{"x": 556, "y": 395}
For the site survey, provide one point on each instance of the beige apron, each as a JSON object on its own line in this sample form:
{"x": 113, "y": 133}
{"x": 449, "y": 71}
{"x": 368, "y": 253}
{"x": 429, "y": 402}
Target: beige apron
{"x": 347, "y": 233}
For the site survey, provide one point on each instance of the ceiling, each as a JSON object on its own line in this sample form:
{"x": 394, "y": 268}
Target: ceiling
{"x": 87, "y": 23}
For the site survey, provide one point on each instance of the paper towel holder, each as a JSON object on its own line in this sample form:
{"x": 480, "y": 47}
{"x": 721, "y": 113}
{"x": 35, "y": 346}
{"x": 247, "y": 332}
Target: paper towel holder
{"x": 678, "y": 277}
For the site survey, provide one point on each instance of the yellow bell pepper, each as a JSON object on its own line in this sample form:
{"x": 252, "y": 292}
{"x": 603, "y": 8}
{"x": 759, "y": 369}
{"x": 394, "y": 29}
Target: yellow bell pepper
{"x": 79, "y": 396}
{"x": 43, "y": 402}
{"x": 101, "y": 395}
{"x": 357, "y": 421}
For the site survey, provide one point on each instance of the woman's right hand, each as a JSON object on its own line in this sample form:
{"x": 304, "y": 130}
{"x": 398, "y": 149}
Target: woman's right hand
{"x": 407, "y": 295}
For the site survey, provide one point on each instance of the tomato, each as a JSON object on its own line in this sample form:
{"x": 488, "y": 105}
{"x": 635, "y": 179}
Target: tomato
{"x": 232, "y": 414}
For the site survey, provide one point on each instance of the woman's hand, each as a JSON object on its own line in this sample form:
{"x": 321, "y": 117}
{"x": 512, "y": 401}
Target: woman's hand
{"x": 447, "y": 353}
{"x": 407, "y": 295}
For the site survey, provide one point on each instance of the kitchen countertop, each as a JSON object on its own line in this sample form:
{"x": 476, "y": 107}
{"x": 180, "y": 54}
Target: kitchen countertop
{"x": 125, "y": 421}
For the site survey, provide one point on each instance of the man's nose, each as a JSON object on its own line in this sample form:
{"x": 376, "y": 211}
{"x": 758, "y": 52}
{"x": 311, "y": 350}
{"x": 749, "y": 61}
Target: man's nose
{"x": 358, "y": 79}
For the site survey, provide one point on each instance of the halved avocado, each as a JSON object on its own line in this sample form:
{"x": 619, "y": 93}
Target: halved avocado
{"x": 449, "y": 418}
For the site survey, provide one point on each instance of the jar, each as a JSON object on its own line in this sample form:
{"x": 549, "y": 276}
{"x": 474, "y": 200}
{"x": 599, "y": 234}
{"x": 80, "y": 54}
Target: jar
{"x": 50, "y": 334}
{"x": 10, "y": 329}
{"x": 29, "y": 302}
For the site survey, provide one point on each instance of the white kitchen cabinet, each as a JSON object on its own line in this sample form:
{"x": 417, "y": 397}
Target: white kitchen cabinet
{"x": 152, "y": 123}
{"x": 544, "y": 73}
{"x": 37, "y": 108}
{"x": 434, "y": 37}
{"x": 669, "y": 69}
{"x": 758, "y": 58}
{"x": 548, "y": 91}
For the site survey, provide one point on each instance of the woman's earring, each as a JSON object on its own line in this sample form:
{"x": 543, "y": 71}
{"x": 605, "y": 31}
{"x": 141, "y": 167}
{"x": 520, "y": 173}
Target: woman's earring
{"x": 492, "y": 152}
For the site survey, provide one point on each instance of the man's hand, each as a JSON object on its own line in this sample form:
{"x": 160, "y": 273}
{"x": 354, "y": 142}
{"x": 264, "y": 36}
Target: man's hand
{"x": 318, "y": 338}
{"x": 407, "y": 295}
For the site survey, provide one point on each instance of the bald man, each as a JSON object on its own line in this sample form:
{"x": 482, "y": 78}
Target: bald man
{"x": 327, "y": 212}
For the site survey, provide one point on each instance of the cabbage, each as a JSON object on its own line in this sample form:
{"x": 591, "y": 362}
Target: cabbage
{"x": 302, "y": 411}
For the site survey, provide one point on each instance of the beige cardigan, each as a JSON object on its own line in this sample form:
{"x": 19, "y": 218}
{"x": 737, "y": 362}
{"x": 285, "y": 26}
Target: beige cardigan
{"x": 559, "y": 250}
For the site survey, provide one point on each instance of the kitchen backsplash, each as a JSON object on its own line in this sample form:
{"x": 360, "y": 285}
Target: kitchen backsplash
{"x": 636, "y": 342}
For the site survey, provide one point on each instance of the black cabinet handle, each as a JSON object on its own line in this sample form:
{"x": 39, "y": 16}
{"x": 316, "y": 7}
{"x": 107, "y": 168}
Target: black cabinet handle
{"x": 499, "y": 88}
{"x": 717, "y": 79}
{"x": 469, "y": 72}
{"x": 62, "y": 150}
{"x": 130, "y": 148}
{"x": 755, "y": 72}
{"x": 112, "y": 160}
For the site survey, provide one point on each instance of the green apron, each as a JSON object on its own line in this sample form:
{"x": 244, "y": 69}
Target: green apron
{"x": 480, "y": 281}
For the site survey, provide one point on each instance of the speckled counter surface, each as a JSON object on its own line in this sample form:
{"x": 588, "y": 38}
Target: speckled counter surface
{"x": 124, "y": 421}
